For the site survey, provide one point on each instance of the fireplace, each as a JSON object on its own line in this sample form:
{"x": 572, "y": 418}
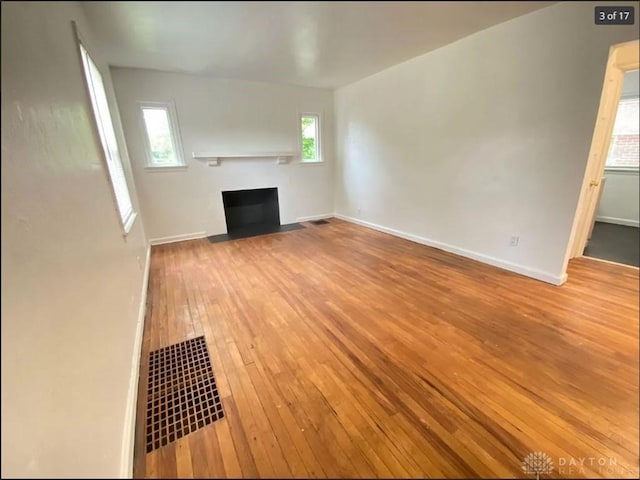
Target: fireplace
{"x": 251, "y": 212}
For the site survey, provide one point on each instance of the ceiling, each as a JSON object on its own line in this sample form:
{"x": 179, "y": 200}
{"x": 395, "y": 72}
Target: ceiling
{"x": 319, "y": 44}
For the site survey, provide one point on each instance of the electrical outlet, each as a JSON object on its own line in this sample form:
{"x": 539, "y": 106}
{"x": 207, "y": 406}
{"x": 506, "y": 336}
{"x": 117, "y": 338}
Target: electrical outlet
{"x": 515, "y": 240}
{"x": 359, "y": 211}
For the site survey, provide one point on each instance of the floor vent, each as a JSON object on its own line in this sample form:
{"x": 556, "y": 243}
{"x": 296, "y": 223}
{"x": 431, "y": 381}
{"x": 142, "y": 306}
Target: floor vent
{"x": 319, "y": 222}
{"x": 182, "y": 395}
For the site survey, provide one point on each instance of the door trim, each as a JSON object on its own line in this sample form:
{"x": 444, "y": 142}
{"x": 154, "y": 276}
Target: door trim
{"x": 622, "y": 58}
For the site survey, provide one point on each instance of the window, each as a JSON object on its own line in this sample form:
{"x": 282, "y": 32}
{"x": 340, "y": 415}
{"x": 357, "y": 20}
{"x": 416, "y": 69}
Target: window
{"x": 107, "y": 136}
{"x": 161, "y": 135}
{"x": 624, "y": 151}
{"x": 310, "y": 137}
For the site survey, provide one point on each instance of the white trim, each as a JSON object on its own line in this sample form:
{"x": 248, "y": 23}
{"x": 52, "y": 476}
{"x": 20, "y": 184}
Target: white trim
{"x": 129, "y": 432}
{"x": 282, "y": 158}
{"x": 242, "y": 155}
{"x": 172, "y": 168}
{"x": 619, "y": 221}
{"x": 177, "y": 238}
{"x": 629, "y": 96}
{"x": 314, "y": 217}
{"x": 609, "y": 262}
{"x": 513, "y": 267}
{"x": 312, "y": 162}
{"x": 128, "y": 225}
{"x": 622, "y": 170}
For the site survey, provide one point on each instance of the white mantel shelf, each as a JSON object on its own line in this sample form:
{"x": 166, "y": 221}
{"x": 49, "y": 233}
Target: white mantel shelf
{"x": 213, "y": 159}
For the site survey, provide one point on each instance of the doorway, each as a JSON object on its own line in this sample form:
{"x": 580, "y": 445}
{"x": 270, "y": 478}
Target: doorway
{"x": 622, "y": 58}
{"x": 615, "y": 234}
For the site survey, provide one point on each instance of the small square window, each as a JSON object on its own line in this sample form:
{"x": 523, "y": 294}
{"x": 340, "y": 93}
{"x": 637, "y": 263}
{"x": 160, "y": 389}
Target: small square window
{"x": 310, "y": 138}
{"x": 162, "y": 139}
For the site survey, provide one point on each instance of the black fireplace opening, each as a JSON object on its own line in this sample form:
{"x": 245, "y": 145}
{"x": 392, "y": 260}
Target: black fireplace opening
{"x": 252, "y": 212}
{"x": 249, "y": 210}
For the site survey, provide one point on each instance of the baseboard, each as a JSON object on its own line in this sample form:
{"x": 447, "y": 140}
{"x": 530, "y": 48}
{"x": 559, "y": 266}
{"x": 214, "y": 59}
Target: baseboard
{"x": 177, "y": 238}
{"x": 128, "y": 435}
{"x": 619, "y": 221}
{"x": 505, "y": 265}
{"x": 314, "y": 217}
{"x": 609, "y": 262}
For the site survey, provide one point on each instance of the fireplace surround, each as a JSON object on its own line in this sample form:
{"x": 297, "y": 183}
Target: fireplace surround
{"x": 251, "y": 212}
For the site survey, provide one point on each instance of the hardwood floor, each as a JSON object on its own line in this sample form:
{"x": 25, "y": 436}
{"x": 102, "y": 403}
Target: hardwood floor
{"x": 340, "y": 351}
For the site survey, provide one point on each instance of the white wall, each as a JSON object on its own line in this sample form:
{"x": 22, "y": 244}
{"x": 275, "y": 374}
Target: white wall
{"x": 224, "y": 116}
{"x": 631, "y": 85}
{"x": 480, "y": 140}
{"x": 71, "y": 283}
{"x": 620, "y": 202}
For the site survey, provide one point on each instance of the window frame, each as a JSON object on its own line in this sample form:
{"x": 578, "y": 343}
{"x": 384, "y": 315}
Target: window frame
{"x": 319, "y": 157}
{"x": 128, "y": 218}
{"x": 616, "y": 168}
{"x": 174, "y": 130}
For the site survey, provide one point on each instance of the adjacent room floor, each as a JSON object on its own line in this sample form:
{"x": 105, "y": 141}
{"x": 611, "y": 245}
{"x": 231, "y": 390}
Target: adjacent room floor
{"x": 340, "y": 351}
{"x": 616, "y": 243}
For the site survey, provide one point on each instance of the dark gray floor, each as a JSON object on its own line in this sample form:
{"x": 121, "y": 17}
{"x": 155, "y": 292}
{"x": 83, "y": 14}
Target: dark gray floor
{"x": 615, "y": 243}
{"x": 254, "y": 231}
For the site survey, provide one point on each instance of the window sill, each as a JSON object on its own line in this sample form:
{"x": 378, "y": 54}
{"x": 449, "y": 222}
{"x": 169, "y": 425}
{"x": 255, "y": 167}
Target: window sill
{"x": 622, "y": 170}
{"x": 129, "y": 223}
{"x": 314, "y": 162}
{"x": 168, "y": 168}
